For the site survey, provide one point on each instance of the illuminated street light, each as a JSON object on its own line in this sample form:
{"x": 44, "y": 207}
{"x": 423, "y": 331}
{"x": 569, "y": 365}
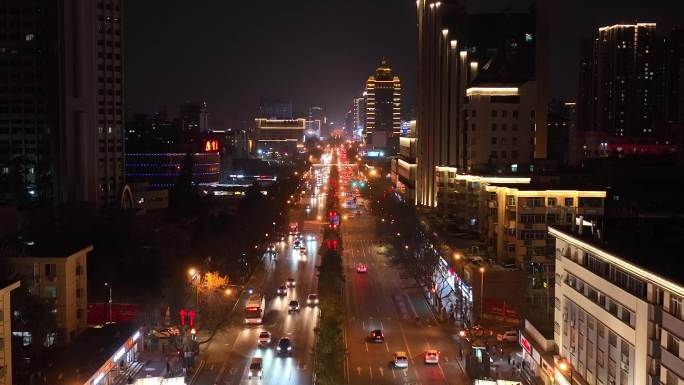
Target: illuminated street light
{"x": 228, "y": 292}
{"x": 482, "y": 271}
{"x": 192, "y": 272}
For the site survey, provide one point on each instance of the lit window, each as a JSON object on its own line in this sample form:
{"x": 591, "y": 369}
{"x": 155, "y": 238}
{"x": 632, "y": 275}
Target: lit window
{"x": 30, "y": 37}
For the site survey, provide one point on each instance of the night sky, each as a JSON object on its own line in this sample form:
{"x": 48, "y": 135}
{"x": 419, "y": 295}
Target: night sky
{"x": 317, "y": 52}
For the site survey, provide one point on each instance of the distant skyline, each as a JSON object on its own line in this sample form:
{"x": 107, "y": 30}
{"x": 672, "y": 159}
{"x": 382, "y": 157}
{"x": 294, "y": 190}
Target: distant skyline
{"x": 318, "y": 52}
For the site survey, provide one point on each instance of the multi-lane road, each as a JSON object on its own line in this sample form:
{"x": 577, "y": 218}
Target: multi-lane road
{"x": 225, "y": 359}
{"x": 379, "y": 299}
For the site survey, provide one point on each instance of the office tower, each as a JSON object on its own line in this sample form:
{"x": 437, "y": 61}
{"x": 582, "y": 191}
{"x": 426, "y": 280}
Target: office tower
{"x": 275, "y": 109}
{"x": 383, "y": 108}
{"x": 454, "y": 49}
{"x": 61, "y": 129}
{"x": 193, "y": 117}
{"x": 278, "y": 137}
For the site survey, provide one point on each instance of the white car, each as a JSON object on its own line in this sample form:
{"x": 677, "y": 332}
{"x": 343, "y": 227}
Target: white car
{"x": 264, "y": 338}
{"x": 432, "y": 357}
{"x": 508, "y": 336}
{"x": 312, "y": 300}
{"x": 400, "y": 360}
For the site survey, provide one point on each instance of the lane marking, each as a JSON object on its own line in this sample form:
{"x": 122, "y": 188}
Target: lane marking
{"x": 366, "y": 343}
{"x": 358, "y": 370}
{"x": 370, "y": 371}
{"x": 382, "y": 371}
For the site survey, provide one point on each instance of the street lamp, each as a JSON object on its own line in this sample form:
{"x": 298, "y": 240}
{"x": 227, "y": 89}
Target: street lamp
{"x": 482, "y": 271}
{"x": 110, "y": 300}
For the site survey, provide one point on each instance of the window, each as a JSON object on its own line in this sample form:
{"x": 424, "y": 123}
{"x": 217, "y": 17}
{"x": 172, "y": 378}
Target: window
{"x": 50, "y": 269}
{"x": 601, "y": 330}
{"x": 673, "y": 344}
{"x": 599, "y": 357}
{"x": 675, "y": 306}
{"x": 493, "y": 126}
{"x": 671, "y": 378}
{"x": 494, "y": 113}
{"x": 503, "y": 154}
{"x": 50, "y": 292}
{"x": 626, "y": 316}
{"x": 472, "y": 127}
{"x": 515, "y": 115}
{"x": 551, "y": 201}
{"x": 569, "y": 201}
{"x": 504, "y": 113}
{"x": 493, "y": 155}
{"x": 504, "y": 127}
{"x": 514, "y": 126}
{"x": 514, "y": 154}
{"x": 510, "y": 200}
{"x": 493, "y": 140}
{"x": 612, "y": 339}
{"x": 474, "y": 113}
{"x": 590, "y": 349}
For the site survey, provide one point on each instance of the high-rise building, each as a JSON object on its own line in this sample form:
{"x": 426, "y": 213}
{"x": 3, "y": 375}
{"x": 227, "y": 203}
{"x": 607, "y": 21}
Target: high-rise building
{"x": 453, "y": 49}
{"x": 383, "y": 108}
{"x": 359, "y": 112}
{"x": 6, "y": 288}
{"x": 61, "y": 111}
{"x": 193, "y": 117}
{"x": 316, "y": 123}
{"x": 618, "y": 81}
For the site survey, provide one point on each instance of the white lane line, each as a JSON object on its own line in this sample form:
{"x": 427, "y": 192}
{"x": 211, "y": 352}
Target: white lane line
{"x": 442, "y": 372}
{"x": 393, "y": 375}
{"x": 370, "y": 371}
{"x": 387, "y": 347}
{"x": 416, "y": 372}
{"x": 366, "y": 343}
{"x": 382, "y": 371}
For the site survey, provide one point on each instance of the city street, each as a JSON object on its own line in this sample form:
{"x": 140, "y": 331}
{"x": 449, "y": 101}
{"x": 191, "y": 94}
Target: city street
{"x": 225, "y": 359}
{"x": 380, "y": 299}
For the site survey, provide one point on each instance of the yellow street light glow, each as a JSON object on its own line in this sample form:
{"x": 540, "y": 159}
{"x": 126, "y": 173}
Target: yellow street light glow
{"x": 228, "y": 291}
{"x": 563, "y": 366}
{"x": 457, "y": 256}
{"x": 482, "y": 270}
{"x": 192, "y": 271}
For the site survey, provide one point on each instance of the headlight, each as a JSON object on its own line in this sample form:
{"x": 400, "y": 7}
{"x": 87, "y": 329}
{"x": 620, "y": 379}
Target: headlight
{"x": 289, "y": 348}
{"x": 278, "y": 348}
{"x": 259, "y": 373}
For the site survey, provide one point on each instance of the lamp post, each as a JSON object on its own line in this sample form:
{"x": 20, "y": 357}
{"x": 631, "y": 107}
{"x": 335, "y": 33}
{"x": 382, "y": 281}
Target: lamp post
{"x": 457, "y": 257}
{"x": 482, "y": 271}
{"x": 194, "y": 273}
{"x": 110, "y": 300}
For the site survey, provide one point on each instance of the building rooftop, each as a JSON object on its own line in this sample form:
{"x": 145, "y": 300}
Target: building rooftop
{"x": 654, "y": 244}
{"x": 78, "y": 361}
{"x": 52, "y": 246}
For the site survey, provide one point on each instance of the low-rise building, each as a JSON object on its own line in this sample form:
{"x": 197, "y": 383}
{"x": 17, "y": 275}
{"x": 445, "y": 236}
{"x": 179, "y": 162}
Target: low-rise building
{"x": 619, "y": 316}
{"x": 278, "y": 137}
{"x": 57, "y": 273}
{"x": 6, "y": 331}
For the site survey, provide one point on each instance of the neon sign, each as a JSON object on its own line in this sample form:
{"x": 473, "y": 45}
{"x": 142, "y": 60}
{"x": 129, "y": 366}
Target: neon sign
{"x": 211, "y": 145}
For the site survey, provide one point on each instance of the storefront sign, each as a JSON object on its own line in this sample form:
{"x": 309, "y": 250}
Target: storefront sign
{"x": 525, "y": 344}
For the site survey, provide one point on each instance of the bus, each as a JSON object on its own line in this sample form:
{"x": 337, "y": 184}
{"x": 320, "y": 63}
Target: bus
{"x": 294, "y": 228}
{"x": 255, "y": 309}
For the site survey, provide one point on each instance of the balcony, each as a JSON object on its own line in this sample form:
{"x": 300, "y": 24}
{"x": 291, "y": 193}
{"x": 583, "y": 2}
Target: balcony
{"x": 673, "y": 362}
{"x": 673, "y": 324}
{"x": 653, "y": 348}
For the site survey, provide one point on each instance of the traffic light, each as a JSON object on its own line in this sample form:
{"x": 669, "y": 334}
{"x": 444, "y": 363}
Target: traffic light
{"x": 362, "y": 184}
{"x": 331, "y": 245}
{"x": 353, "y": 183}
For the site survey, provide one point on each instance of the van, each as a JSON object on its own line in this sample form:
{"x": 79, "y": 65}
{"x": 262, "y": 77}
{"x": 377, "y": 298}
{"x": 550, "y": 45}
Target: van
{"x": 255, "y": 368}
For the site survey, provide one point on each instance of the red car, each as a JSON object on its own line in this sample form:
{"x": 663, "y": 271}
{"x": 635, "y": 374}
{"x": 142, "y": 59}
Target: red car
{"x": 361, "y": 268}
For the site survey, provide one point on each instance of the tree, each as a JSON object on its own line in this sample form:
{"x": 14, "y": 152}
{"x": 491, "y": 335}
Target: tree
{"x": 31, "y": 314}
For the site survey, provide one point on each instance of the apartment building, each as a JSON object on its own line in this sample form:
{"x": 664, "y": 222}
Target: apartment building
{"x": 518, "y": 216}
{"x": 58, "y": 274}
{"x": 6, "y": 331}
{"x": 618, "y": 305}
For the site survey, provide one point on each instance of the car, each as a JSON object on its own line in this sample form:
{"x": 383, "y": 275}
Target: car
{"x": 358, "y": 213}
{"x": 255, "y": 368}
{"x": 293, "y": 306}
{"x": 302, "y": 250}
{"x": 312, "y": 299}
{"x": 284, "y": 346}
{"x": 264, "y": 338}
{"x": 480, "y": 331}
{"x": 296, "y": 244}
{"x": 508, "y": 336}
{"x": 432, "y": 356}
{"x": 311, "y": 237}
{"x": 282, "y": 290}
{"x": 377, "y": 336}
{"x": 361, "y": 268}
{"x": 401, "y": 360}
{"x": 291, "y": 282}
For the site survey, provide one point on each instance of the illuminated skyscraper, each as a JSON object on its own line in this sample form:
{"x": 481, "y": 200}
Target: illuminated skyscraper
{"x": 383, "y": 108}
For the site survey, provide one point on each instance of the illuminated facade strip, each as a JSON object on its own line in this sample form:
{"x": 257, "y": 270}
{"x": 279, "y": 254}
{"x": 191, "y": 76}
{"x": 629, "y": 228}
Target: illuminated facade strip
{"x": 492, "y": 91}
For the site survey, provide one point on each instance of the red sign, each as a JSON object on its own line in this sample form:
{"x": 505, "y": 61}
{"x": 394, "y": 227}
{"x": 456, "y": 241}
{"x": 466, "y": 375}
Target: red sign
{"x": 182, "y": 314}
{"x": 191, "y": 314}
{"x": 211, "y": 145}
{"x": 525, "y": 344}
{"x": 124, "y": 313}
